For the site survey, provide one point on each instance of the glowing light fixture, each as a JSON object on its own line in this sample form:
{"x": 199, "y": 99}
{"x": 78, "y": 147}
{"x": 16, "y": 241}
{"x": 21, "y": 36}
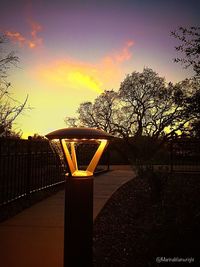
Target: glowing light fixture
{"x": 70, "y": 136}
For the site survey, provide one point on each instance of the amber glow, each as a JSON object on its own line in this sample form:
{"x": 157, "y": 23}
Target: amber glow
{"x": 85, "y": 80}
{"x": 72, "y": 73}
{"x": 72, "y": 160}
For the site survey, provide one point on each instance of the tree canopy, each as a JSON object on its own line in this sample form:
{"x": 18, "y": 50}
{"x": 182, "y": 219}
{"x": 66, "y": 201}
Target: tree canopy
{"x": 145, "y": 105}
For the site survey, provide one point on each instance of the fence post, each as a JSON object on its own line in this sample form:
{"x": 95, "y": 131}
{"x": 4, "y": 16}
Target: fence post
{"x": 3, "y": 164}
{"x": 28, "y": 178}
{"x": 171, "y": 157}
{"x": 108, "y": 159}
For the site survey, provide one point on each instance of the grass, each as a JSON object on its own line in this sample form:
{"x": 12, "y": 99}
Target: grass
{"x": 153, "y": 215}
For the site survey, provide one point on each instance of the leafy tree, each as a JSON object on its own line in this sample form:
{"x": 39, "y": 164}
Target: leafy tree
{"x": 154, "y": 108}
{"x": 189, "y": 47}
{"x": 100, "y": 114}
{"x": 144, "y": 106}
{"x": 10, "y": 108}
{"x": 194, "y": 107}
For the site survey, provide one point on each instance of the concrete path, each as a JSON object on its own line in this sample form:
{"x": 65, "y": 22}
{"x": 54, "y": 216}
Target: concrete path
{"x": 34, "y": 237}
{"x": 105, "y": 185}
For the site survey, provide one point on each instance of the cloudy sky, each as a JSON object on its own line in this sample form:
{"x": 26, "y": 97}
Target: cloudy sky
{"x": 72, "y": 50}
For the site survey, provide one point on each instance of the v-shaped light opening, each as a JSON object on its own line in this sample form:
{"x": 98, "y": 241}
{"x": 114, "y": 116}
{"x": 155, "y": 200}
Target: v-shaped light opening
{"x": 72, "y": 159}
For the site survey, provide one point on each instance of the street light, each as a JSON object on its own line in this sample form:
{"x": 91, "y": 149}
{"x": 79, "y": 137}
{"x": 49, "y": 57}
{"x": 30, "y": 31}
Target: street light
{"x": 78, "y": 225}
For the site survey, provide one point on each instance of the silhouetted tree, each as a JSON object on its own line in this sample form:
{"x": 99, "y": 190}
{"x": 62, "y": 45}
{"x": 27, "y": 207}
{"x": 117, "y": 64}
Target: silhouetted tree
{"x": 154, "y": 108}
{"x": 10, "y": 108}
{"x": 144, "y": 106}
{"x": 146, "y": 112}
{"x": 37, "y": 136}
{"x": 103, "y": 113}
{"x": 194, "y": 107}
{"x": 189, "y": 47}
{"x": 71, "y": 121}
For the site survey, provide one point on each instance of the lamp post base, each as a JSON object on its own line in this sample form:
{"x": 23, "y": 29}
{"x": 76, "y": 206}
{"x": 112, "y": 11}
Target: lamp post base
{"x": 78, "y": 225}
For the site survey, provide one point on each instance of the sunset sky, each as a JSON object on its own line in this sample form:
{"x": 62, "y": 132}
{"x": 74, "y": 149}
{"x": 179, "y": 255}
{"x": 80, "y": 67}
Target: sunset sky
{"x": 72, "y": 50}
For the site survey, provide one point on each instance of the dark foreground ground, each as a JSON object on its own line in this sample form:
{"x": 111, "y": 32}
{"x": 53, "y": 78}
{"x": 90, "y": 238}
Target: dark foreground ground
{"x": 149, "y": 221}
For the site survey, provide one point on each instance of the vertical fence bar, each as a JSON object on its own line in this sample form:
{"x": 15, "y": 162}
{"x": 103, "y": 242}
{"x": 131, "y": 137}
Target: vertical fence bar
{"x": 3, "y": 171}
{"x": 6, "y": 174}
{"x": 16, "y": 175}
{"x": 29, "y": 165}
{"x": 9, "y": 174}
{"x": 108, "y": 159}
{"x": 41, "y": 165}
{"x": 171, "y": 157}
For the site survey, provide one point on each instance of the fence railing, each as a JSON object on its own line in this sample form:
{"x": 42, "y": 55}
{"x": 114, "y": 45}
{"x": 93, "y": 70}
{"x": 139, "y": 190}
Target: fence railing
{"x": 185, "y": 155}
{"x": 27, "y": 166}
{"x": 180, "y": 155}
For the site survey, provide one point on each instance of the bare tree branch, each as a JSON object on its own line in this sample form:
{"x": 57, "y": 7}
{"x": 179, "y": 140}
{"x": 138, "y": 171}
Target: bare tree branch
{"x": 10, "y": 108}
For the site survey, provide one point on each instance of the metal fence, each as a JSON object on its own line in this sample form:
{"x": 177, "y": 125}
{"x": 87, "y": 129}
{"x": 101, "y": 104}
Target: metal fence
{"x": 27, "y": 166}
{"x": 185, "y": 155}
{"x": 177, "y": 156}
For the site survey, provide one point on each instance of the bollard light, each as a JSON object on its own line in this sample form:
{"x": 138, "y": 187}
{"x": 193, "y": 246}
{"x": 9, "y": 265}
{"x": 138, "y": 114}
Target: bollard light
{"x": 74, "y": 136}
{"x": 78, "y": 225}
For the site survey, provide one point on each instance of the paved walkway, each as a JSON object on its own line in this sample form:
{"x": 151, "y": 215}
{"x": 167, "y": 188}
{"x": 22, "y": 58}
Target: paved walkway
{"x": 34, "y": 237}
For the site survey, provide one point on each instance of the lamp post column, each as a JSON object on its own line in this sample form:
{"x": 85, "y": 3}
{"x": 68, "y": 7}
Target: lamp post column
{"x": 78, "y": 222}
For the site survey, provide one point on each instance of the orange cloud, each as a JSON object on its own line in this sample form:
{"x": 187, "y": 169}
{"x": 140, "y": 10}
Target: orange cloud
{"x": 71, "y": 73}
{"x": 123, "y": 55}
{"x": 32, "y": 42}
{"x": 16, "y": 36}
